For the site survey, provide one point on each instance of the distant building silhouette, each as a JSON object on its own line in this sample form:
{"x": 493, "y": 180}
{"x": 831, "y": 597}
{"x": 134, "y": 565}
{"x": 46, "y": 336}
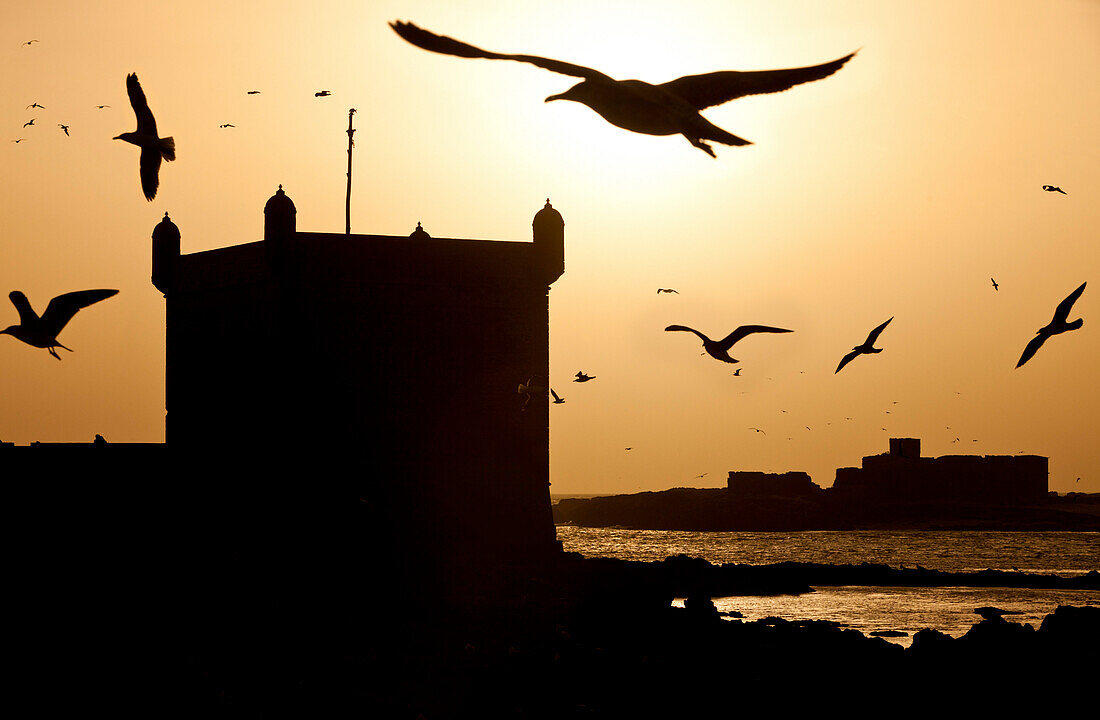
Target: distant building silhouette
{"x": 385, "y": 366}
{"x": 902, "y": 475}
{"x": 757, "y": 484}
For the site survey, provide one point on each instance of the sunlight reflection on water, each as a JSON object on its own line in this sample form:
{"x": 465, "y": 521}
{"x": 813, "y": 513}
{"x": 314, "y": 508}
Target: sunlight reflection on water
{"x": 868, "y": 609}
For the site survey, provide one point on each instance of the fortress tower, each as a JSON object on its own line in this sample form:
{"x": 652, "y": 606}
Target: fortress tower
{"x": 382, "y": 367}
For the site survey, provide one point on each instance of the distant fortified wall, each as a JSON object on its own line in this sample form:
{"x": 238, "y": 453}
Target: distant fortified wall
{"x": 902, "y": 475}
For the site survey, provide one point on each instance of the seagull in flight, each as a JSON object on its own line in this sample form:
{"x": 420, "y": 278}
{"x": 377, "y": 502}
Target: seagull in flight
{"x": 866, "y": 348}
{"x": 153, "y": 147}
{"x": 65, "y": 128}
{"x": 1056, "y": 326}
{"x": 528, "y": 389}
{"x": 323, "y": 93}
{"x": 42, "y": 331}
{"x": 720, "y": 349}
{"x": 758, "y": 430}
{"x": 995, "y": 285}
{"x": 227, "y": 125}
{"x": 19, "y": 140}
{"x": 100, "y": 107}
{"x": 667, "y": 290}
{"x": 29, "y": 122}
{"x": 581, "y": 377}
{"x": 668, "y": 109}
{"x": 1054, "y": 188}
{"x": 30, "y": 41}
{"x": 253, "y": 92}
{"x": 557, "y": 400}
{"x": 35, "y": 105}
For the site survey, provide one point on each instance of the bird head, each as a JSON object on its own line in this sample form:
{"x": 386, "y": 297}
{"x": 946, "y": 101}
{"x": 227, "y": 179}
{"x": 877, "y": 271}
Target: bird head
{"x": 10, "y": 330}
{"x": 577, "y": 93}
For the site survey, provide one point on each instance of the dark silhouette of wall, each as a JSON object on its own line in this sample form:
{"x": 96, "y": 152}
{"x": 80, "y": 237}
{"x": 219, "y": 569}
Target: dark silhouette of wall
{"x": 383, "y": 367}
{"x": 903, "y": 476}
{"x": 760, "y": 484}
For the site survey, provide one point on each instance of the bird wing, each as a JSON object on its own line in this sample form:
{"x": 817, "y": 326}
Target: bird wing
{"x": 27, "y": 315}
{"x": 728, "y": 341}
{"x": 1033, "y": 347}
{"x": 1061, "y": 313}
{"x": 150, "y": 171}
{"x": 554, "y": 394}
{"x": 146, "y": 124}
{"x": 703, "y": 91}
{"x": 62, "y": 308}
{"x": 846, "y": 359}
{"x": 449, "y": 46}
{"x": 685, "y": 328}
{"x": 873, "y": 335}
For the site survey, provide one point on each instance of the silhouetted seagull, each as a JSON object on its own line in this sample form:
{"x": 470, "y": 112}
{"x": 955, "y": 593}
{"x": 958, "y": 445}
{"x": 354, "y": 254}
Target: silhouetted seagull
{"x": 19, "y": 140}
{"x": 995, "y": 285}
{"x": 758, "y": 430}
{"x": 720, "y": 349}
{"x": 153, "y": 147}
{"x": 323, "y": 93}
{"x": 227, "y": 125}
{"x": 30, "y": 41}
{"x": 1054, "y": 188}
{"x": 42, "y": 331}
{"x": 253, "y": 92}
{"x": 35, "y": 105}
{"x": 29, "y": 122}
{"x": 100, "y": 107}
{"x": 667, "y": 290}
{"x": 557, "y": 400}
{"x": 667, "y": 109}
{"x": 581, "y": 377}
{"x": 528, "y": 389}
{"x": 1056, "y": 326}
{"x": 737, "y": 372}
{"x": 64, "y": 127}
{"x": 866, "y": 348}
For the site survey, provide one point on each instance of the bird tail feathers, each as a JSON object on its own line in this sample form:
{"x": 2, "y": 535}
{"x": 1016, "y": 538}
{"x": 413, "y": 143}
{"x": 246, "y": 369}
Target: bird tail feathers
{"x": 168, "y": 148}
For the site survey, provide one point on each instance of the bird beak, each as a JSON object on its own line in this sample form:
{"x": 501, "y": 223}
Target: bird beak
{"x": 554, "y": 97}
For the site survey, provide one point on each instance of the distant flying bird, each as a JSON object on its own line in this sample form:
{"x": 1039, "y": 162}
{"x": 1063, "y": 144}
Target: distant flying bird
{"x": 557, "y": 400}
{"x": 1054, "y": 188}
{"x": 528, "y": 389}
{"x": 995, "y": 285}
{"x": 253, "y": 92}
{"x": 1056, "y": 326}
{"x": 720, "y": 349}
{"x": 227, "y": 125}
{"x": 64, "y": 127}
{"x": 758, "y": 430}
{"x": 737, "y": 372}
{"x": 581, "y": 377}
{"x": 667, "y": 290}
{"x": 323, "y": 93}
{"x": 100, "y": 107}
{"x": 35, "y": 105}
{"x": 30, "y": 41}
{"x": 42, "y": 331}
{"x": 19, "y": 140}
{"x": 668, "y": 109}
{"x": 29, "y": 122}
{"x": 866, "y": 348}
{"x": 153, "y": 147}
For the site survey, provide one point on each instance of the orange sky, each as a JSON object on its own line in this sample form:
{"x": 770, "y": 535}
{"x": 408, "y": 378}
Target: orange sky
{"x": 896, "y": 187}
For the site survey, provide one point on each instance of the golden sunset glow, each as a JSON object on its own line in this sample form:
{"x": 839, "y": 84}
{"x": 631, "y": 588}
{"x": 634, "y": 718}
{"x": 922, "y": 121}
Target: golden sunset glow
{"x": 897, "y": 187}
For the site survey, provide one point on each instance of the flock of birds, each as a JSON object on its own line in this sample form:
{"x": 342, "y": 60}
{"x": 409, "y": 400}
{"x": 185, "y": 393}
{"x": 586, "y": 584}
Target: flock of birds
{"x": 666, "y": 109}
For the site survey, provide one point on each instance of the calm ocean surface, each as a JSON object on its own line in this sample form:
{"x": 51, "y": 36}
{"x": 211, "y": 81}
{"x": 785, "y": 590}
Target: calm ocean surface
{"x": 948, "y": 609}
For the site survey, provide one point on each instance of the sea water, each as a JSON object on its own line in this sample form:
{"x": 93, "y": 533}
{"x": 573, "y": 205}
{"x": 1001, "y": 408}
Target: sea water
{"x": 870, "y": 609}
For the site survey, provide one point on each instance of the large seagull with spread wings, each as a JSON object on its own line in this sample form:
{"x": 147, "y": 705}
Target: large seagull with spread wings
{"x": 668, "y": 109}
{"x": 153, "y": 147}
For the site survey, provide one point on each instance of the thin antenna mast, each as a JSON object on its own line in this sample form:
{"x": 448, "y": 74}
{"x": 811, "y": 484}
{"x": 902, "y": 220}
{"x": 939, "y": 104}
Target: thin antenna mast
{"x": 347, "y": 203}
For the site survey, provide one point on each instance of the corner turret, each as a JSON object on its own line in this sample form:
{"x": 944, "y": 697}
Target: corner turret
{"x": 549, "y": 235}
{"x": 166, "y": 252}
